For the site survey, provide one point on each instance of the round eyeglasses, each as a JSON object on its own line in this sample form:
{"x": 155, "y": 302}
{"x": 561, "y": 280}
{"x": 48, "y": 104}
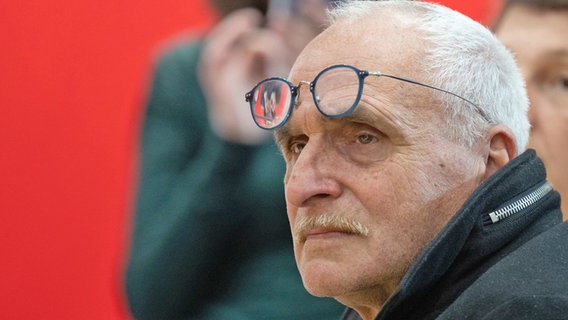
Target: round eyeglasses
{"x": 336, "y": 91}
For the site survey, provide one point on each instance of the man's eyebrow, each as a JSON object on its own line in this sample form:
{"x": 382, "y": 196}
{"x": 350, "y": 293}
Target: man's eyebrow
{"x": 561, "y": 53}
{"x": 362, "y": 114}
{"x": 558, "y": 54}
{"x": 368, "y": 115}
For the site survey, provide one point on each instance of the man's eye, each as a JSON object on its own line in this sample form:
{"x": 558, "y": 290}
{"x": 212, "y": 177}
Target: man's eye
{"x": 297, "y": 147}
{"x": 366, "y": 138}
{"x": 562, "y": 83}
{"x": 556, "y": 81}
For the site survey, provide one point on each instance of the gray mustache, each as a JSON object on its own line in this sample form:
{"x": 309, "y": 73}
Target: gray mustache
{"x": 339, "y": 223}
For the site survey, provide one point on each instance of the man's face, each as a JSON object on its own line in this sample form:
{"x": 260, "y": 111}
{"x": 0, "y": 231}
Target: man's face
{"x": 539, "y": 41}
{"x": 378, "y": 185}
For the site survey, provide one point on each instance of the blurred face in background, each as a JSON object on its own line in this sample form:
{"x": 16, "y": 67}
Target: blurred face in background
{"x": 225, "y": 7}
{"x": 251, "y": 41}
{"x": 539, "y": 40}
{"x": 297, "y": 22}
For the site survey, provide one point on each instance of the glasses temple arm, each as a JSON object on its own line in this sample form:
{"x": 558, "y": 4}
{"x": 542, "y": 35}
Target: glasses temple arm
{"x": 380, "y": 74}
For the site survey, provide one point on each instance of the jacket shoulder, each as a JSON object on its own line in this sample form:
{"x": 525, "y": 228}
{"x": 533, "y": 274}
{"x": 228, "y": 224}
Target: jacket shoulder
{"x": 529, "y": 283}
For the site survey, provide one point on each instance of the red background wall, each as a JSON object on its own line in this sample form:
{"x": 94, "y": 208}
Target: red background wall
{"x": 72, "y": 80}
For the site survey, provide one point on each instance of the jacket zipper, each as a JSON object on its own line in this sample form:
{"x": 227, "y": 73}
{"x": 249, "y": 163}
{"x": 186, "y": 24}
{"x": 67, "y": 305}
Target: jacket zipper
{"x": 520, "y": 204}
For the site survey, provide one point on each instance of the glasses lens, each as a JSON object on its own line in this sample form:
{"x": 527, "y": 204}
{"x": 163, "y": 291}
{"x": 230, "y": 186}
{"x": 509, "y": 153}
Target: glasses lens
{"x": 336, "y": 90}
{"x": 270, "y": 103}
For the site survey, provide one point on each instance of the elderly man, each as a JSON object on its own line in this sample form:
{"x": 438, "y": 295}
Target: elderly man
{"x": 408, "y": 189}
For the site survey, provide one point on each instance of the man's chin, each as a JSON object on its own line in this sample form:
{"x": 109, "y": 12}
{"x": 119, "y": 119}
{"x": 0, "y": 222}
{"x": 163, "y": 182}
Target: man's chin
{"x": 321, "y": 278}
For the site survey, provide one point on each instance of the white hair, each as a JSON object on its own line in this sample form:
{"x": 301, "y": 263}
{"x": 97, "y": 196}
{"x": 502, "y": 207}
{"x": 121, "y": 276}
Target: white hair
{"x": 463, "y": 57}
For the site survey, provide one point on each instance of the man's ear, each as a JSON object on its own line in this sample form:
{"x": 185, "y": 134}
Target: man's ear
{"x": 502, "y": 148}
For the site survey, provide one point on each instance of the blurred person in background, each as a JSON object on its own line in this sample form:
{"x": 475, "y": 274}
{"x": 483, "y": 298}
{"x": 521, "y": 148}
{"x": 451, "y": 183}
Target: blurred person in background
{"x": 210, "y": 235}
{"x": 535, "y": 30}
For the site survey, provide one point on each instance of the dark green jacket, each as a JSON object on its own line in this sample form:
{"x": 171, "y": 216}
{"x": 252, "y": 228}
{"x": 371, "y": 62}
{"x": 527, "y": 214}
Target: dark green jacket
{"x": 211, "y": 239}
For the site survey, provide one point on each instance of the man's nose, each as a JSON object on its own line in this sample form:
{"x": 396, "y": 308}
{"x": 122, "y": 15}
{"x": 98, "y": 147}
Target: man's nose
{"x": 313, "y": 175}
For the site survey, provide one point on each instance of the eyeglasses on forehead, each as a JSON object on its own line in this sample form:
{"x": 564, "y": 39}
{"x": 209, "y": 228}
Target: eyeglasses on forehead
{"x": 336, "y": 91}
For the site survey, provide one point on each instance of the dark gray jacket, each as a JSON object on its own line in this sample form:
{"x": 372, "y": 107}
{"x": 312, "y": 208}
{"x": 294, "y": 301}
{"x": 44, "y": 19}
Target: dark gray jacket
{"x": 504, "y": 255}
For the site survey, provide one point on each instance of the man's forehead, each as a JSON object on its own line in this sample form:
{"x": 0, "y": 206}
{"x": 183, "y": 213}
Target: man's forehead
{"x": 378, "y": 49}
